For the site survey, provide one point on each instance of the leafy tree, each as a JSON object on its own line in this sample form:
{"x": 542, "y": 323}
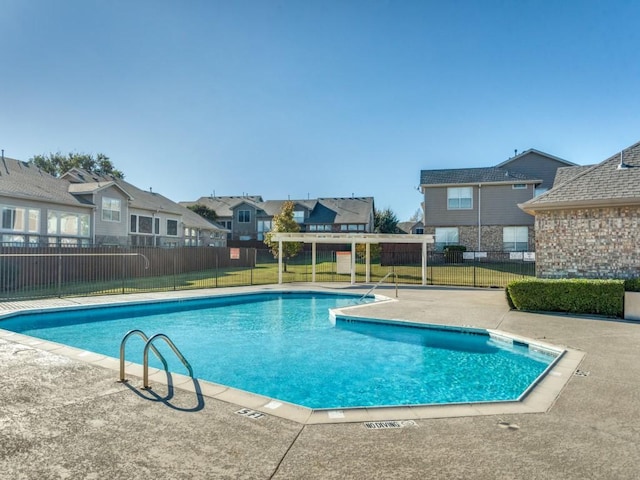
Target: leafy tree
{"x": 284, "y": 223}
{"x": 204, "y": 211}
{"x": 417, "y": 216}
{"x": 385, "y": 221}
{"x": 58, "y": 164}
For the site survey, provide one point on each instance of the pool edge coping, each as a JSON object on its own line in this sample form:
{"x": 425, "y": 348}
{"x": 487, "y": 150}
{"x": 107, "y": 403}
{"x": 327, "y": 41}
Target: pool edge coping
{"x": 538, "y": 398}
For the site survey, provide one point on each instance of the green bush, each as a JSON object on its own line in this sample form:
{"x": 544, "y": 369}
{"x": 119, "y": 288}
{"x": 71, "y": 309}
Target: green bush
{"x": 454, "y": 253}
{"x": 594, "y": 297}
{"x": 632, "y": 285}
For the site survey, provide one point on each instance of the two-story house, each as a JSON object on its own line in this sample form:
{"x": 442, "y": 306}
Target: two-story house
{"x": 250, "y": 217}
{"x": 478, "y": 207}
{"x": 128, "y": 215}
{"x": 80, "y": 209}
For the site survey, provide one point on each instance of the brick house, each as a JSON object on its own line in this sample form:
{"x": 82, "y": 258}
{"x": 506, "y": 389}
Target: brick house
{"x": 588, "y": 224}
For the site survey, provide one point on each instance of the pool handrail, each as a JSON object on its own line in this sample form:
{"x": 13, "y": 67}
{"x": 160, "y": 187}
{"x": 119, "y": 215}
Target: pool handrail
{"x": 145, "y": 355}
{"x": 378, "y": 283}
{"x": 144, "y": 337}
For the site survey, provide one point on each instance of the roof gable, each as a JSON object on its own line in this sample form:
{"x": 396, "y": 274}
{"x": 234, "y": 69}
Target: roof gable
{"x": 615, "y": 181}
{"x": 537, "y": 152}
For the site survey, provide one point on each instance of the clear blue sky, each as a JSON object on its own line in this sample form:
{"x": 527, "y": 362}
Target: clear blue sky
{"x": 316, "y": 98}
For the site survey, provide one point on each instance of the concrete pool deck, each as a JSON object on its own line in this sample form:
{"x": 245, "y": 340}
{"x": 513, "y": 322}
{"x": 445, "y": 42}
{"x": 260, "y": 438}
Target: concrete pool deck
{"x": 62, "y": 417}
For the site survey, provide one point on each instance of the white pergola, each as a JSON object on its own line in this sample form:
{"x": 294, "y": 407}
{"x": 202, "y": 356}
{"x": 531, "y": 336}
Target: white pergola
{"x": 353, "y": 239}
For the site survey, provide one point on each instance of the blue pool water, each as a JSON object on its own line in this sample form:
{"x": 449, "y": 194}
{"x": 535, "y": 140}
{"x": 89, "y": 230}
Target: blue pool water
{"x": 285, "y": 346}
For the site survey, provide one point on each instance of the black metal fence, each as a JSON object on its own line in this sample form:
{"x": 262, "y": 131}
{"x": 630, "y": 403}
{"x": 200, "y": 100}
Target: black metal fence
{"x": 27, "y": 273}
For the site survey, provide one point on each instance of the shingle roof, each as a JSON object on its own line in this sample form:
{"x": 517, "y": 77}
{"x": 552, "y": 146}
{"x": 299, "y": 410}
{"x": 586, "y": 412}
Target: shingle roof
{"x": 223, "y": 206}
{"x": 468, "y": 176}
{"x": 23, "y": 180}
{"x": 342, "y": 210}
{"x": 274, "y": 207}
{"x": 565, "y": 173}
{"x": 192, "y": 220}
{"x": 602, "y": 184}
{"x": 140, "y": 199}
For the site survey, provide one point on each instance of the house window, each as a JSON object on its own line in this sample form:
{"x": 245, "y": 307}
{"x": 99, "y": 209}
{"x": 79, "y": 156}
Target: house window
{"x": 459, "y": 198}
{"x": 298, "y": 216}
{"x": 12, "y": 240}
{"x": 539, "y": 191}
{"x": 68, "y": 224}
{"x": 419, "y": 231}
{"x": 515, "y": 239}
{"x": 264, "y": 226}
{"x": 244, "y": 216}
{"x": 110, "y": 209}
{"x": 18, "y": 219}
{"x": 172, "y": 228}
{"x": 145, "y": 224}
{"x": 446, "y": 236}
{"x": 519, "y": 186}
{"x": 352, "y": 228}
{"x": 320, "y": 228}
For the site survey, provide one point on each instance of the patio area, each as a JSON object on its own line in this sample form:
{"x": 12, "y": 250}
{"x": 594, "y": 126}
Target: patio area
{"x": 62, "y": 417}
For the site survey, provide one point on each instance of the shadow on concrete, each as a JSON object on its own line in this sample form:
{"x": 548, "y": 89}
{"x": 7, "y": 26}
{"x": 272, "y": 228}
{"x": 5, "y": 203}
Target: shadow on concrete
{"x": 149, "y": 394}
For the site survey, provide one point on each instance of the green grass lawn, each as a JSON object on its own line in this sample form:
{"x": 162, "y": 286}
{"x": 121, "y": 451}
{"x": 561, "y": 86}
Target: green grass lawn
{"x": 479, "y": 275}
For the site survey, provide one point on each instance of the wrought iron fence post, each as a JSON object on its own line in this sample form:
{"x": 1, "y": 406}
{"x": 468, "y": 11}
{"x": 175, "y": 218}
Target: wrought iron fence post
{"x": 251, "y": 270}
{"x": 59, "y": 275}
{"x": 122, "y": 274}
{"x": 174, "y": 270}
{"x": 475, "y": 260}
{"x": 216, "y": 270}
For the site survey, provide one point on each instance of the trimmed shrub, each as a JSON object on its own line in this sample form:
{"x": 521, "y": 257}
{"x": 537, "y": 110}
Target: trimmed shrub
{"x": 592, "y": 297}
{"x": 632, "y": 285}
{"x": 454, "y": 253}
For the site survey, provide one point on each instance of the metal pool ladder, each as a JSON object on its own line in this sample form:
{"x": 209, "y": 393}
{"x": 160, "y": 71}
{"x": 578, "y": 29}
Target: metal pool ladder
{"x": 149, "y": 345}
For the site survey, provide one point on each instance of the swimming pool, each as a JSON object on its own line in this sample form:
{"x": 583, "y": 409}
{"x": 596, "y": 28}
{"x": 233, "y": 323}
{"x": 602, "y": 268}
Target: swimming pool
{"x": 287, "y": 346}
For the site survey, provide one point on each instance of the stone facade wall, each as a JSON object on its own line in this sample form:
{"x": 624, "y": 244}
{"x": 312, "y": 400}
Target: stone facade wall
{"x": 491, "y": 237}
{"x": 588, "y": 243}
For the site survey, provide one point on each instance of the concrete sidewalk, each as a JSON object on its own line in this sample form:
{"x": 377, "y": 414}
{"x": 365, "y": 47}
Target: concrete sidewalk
{"x": 64, "y": 418}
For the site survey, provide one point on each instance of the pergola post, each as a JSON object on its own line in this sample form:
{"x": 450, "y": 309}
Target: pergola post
{"x": 424, "y": 263}
{"x": 313, "y": 262}
{"x": 353, "y": 263}
{"x": 279, "y": 262}
{"x": 368, "y": 262}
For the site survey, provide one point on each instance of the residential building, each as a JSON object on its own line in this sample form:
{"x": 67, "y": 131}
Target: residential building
{"x": 478, "y": 207}
{"x": 38, "y": 208}
{"x": 80, "y": 209}
{"x": 249, "y": 218}
{"x": 129, "y": 215}
{"x": 588, "y": 224}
